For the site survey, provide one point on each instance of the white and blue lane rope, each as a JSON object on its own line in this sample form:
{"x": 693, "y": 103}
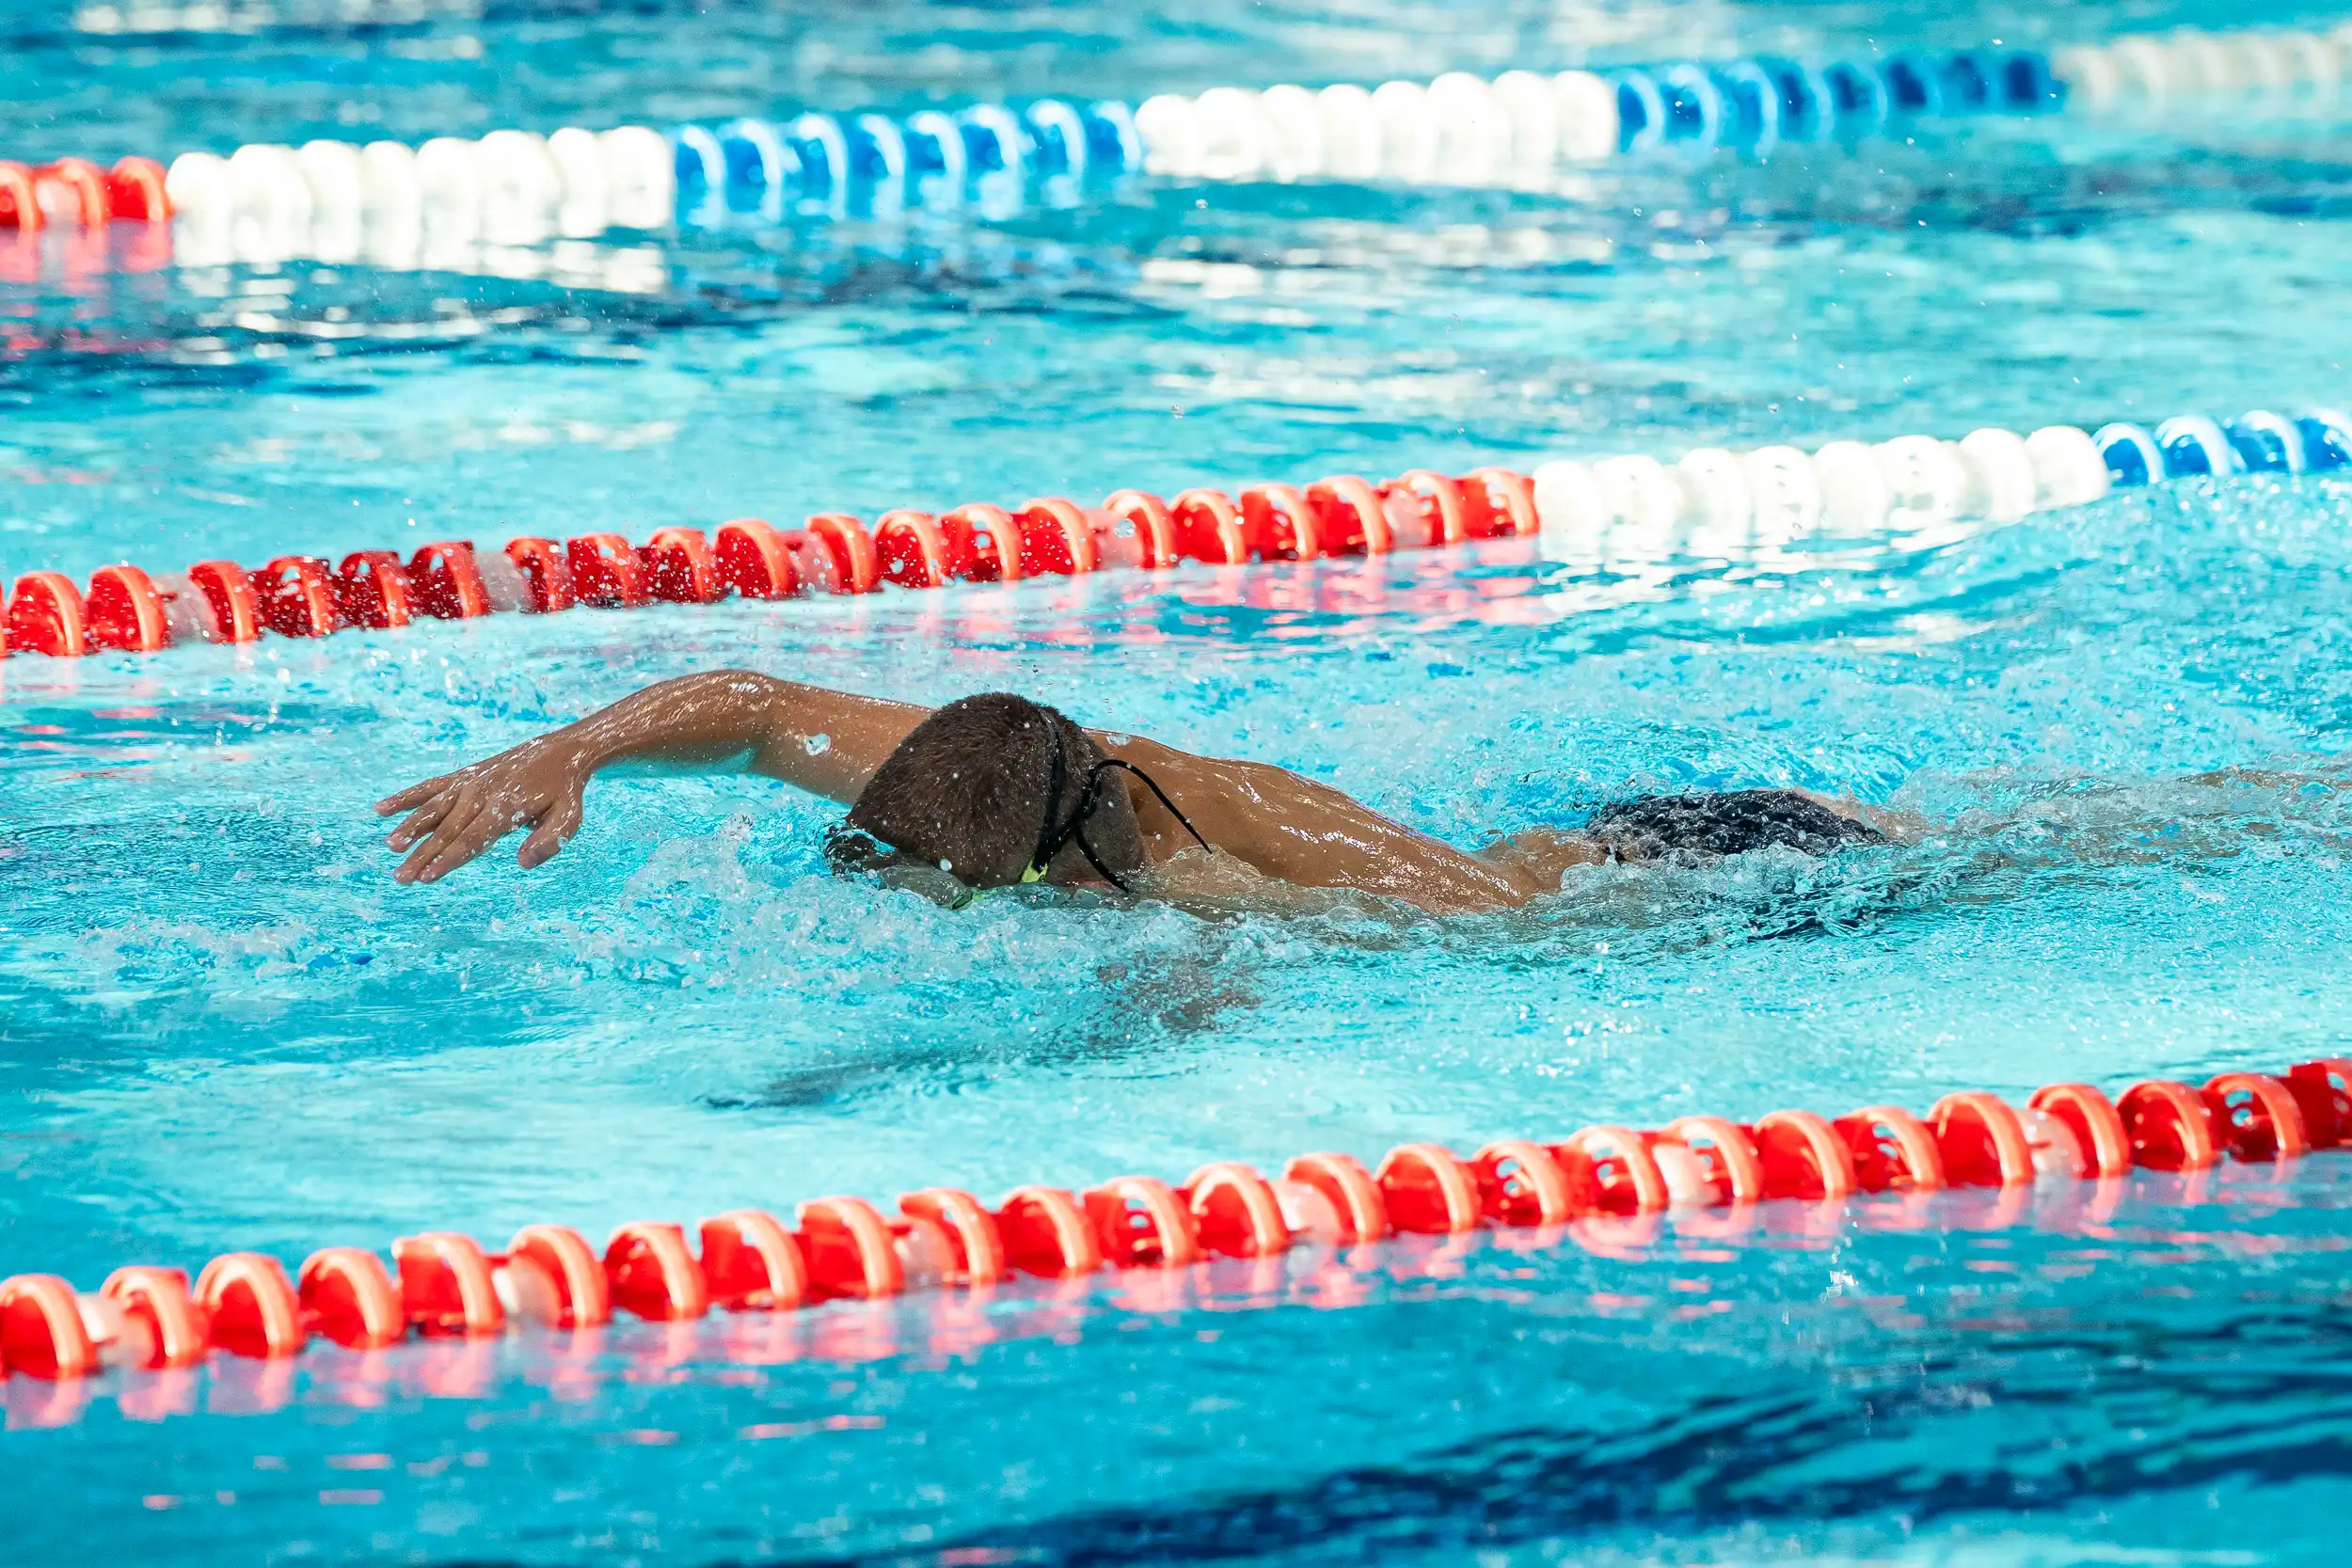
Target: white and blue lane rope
{"x": 1463, "y": 129}
{"x": 993, "y": 155}
{"x": 1779, "y": 497}
{"x": 333, "y": 200}
{"x": 1458, "y": 127}
{"x": 2270, "y": 71}
{"x": 2256, "y": 442}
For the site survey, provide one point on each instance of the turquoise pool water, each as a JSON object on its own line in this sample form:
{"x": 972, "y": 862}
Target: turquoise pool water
{"x": 221, "y": 1026}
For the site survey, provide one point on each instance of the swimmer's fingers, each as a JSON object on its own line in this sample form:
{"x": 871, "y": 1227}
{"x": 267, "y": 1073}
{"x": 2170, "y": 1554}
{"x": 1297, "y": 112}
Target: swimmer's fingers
{"x": 424, "y": 819}
{"x": 554, "y": 830}
{"x": 414, "y": 796}
{"x": 452, "y": 813}
{"x": 477, "y": 821}
{"x": 500, "y": 815}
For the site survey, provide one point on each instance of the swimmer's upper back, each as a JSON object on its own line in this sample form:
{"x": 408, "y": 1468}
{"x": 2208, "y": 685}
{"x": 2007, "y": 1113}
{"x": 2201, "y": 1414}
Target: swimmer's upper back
{"x": 1298, "y": 830}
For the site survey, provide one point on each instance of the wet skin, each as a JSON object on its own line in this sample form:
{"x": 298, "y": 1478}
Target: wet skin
{"x": 1287, "y": 830}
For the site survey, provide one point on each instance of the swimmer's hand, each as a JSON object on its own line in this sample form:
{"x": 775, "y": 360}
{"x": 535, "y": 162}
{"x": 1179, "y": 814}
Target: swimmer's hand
{"x": 453, "y": 818}
{"x": 826, "y": 742}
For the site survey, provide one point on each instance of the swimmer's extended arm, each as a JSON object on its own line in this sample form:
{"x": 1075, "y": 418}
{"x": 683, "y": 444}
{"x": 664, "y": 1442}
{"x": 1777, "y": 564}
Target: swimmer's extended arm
{"x": 828, "y": 743}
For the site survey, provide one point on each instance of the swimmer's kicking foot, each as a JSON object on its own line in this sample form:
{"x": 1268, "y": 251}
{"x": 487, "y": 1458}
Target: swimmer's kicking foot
{"x": 996, "y": 790}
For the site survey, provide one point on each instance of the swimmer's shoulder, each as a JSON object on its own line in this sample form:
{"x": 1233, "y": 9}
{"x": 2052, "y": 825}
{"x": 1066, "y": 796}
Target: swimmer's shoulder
{"x": 1174, "y": 768}
{"x": 1305, "y": 832}
{"x": 1255, "y": 810}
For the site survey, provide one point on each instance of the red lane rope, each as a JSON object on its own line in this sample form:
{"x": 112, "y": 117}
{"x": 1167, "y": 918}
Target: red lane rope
{"x": 128, "y": 608}
{"x": 77, "y": 192}
{"x": 444, "y": 1284}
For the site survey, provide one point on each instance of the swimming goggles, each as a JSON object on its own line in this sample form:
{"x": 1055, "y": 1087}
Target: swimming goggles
{"x": 1051, "y": 838}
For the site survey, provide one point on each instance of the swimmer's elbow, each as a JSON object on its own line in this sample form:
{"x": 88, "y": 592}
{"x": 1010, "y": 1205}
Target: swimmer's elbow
{"x": 745, "y": 682}
{"x": 751, "y": 699}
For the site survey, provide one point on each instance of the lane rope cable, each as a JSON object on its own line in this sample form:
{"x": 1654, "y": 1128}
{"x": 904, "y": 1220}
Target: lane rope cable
{"x": 443, "y": 1284}
{"x": 1772, "y": 502}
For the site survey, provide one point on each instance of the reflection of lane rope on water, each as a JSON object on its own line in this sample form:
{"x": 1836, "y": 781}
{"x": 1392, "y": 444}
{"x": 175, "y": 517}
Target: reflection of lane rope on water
{"x": 1602, "y": 1186}
{"x": 440, "y": 204}
{"x": 1776, "y": 505}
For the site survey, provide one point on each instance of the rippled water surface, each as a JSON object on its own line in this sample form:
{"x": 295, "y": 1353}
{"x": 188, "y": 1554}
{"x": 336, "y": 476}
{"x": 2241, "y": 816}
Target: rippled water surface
{"x": 2116, "y": 730}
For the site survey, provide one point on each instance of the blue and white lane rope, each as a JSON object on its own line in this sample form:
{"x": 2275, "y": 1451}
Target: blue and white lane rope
{"x": 1457, "y": 129}
{"x": 393, "y": 205}
{"x": 335, "y": 201}
{"x": 764, "y": 170}
{"x": 1462, "y": 129}
{"x": 2272, "y": 70}
{"x": 135, "y": 17}
{"x": 332, "y": 201}
{"x": 1779, "y": 497}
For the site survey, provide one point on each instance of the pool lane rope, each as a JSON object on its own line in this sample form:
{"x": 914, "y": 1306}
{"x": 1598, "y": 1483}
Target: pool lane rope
{"x": 1711, "y": 502}
{"x": 1462, "y": 129}
{"x": 2270, "y": 71}
{"x": 393, "y": 205}
{"x": 133, "y": 18}
{"x": 445, "y": 1284}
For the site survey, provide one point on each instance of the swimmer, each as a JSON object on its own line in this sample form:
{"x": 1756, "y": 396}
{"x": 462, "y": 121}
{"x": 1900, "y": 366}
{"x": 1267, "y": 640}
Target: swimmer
{"x": 996, "y": 790}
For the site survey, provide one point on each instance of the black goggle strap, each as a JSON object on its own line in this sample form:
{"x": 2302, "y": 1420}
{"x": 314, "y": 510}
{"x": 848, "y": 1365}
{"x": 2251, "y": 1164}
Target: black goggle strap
{"x": 1050, "y": 841}
{"x": 1094, "y": 781}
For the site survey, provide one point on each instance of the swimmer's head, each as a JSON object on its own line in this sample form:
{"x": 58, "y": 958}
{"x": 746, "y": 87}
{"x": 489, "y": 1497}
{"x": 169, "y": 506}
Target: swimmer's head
{"x": 978, "y": 788}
